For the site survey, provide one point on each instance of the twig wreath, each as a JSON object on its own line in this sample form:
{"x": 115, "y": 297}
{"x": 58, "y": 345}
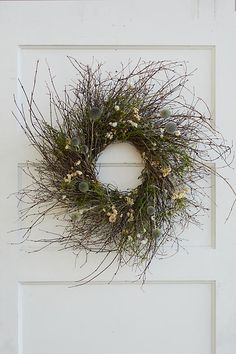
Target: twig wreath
{"x": 144, "y": 105}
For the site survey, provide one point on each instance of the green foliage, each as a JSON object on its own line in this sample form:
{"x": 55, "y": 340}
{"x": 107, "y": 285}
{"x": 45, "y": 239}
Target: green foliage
{"x": 156, "y": 233}
{"x": 55, "y": 136}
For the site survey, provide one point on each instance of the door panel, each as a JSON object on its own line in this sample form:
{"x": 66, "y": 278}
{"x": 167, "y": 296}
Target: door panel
{"x": 133, "y": 320}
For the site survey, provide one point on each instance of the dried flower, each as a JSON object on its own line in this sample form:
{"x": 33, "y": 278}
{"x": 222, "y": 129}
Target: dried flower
{"x": 78, "y": 173}
{"x": 67, "y": 179}
{"x": 130, "y": 215}
{"x": 112, "y": 218}
{"x": 132, "y": 123}
{"x": 114, "y": 209}
{"x": 165, "y": 171}
{"x": 131, "y": 85}
{"x": 131, "y": 218}
{"x": 144, "y": 242}
{"x": 177, "y": 133}
{"x": 109, "y": 135}
{"x": 68, "y": 142}
{"x": 162, "y": 133}
{"x": 136, "y": 114}
{"x": 113, "y": 214}
{"x": 179, "y": 194}
{"x": 113, "y": 124}
{"x": 129, "y": 201}
{"x": 155, "y": 163}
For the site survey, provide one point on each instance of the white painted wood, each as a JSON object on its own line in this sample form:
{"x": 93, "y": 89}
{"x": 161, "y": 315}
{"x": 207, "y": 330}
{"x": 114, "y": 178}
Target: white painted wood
{"x": 142, "y": 325}
{"x": 120, "y": 165}
{"x": 188, "y": 305}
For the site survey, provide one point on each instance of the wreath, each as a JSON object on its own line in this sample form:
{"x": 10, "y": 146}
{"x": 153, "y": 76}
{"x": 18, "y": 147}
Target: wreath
{"x": 142, "y": 104}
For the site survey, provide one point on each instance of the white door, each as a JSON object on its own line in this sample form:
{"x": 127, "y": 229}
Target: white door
{"x": 188, "y": 303}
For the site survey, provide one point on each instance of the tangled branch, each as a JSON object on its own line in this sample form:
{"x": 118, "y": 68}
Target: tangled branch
{"x": 144, "y": 105}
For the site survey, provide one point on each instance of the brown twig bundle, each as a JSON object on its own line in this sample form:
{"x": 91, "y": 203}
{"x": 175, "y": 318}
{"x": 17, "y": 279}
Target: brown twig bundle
{"x": 146, "y": 106}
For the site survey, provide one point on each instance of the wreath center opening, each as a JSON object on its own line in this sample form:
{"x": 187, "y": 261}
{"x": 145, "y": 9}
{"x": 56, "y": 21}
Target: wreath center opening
{"x": 120, "y": 166}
